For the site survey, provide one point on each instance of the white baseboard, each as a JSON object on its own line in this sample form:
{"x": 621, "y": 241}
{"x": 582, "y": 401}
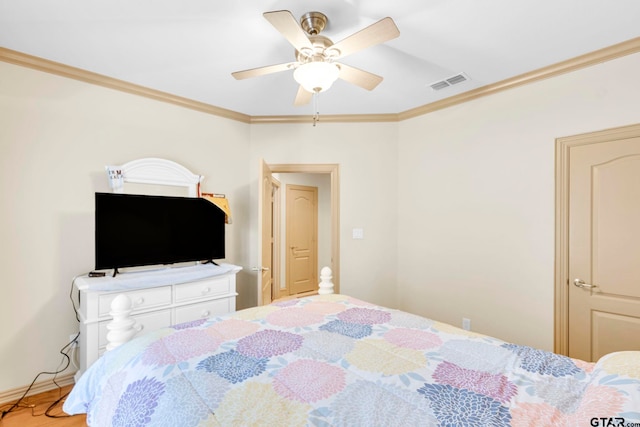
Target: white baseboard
{"x": 39, "y": 387}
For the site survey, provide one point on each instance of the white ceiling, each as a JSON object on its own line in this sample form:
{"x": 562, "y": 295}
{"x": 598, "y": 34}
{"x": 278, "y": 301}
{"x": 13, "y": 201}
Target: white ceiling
{"x": 190, "y": 47}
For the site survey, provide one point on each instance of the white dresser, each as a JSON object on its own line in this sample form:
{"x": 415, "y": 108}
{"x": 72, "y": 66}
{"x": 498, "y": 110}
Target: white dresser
{"x": 154, "y": 305}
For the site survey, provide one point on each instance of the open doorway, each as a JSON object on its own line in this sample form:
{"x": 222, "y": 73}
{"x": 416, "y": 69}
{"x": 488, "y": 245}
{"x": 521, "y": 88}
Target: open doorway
{"x": 305, "y": 233}
{"x": 270, "y": 239}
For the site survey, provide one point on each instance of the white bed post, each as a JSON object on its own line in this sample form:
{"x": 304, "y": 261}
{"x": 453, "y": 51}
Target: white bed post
{"x": 326, "y": 285}
{"x": 121, "y": 327}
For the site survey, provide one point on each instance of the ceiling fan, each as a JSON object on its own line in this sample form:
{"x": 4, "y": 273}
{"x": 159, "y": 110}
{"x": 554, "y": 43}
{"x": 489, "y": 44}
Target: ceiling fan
{"x": 315, "y": 67}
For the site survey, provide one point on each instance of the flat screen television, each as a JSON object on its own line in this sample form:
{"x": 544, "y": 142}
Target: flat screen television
{"x": 139, "y": 230}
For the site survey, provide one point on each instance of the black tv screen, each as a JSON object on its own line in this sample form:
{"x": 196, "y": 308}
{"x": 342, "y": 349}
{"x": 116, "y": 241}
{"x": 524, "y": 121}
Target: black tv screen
{"x": 136, "y": 230}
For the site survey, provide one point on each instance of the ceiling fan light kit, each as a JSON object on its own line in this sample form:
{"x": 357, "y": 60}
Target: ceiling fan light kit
{"x": 316, "y": 76}
{"x": 315, "y": 69}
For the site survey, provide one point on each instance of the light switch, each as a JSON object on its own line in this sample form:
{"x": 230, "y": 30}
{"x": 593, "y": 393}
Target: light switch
{"x": 358, "y": 233}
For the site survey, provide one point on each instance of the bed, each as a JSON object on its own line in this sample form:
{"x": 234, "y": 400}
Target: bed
{"x": 333, "y": 360}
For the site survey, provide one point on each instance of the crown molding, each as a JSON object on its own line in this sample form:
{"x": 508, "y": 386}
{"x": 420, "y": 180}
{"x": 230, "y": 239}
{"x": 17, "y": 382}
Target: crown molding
{"x": 59, "y": 69}
{"x": 602, "y": 55}
{"x": 328, "y": 118}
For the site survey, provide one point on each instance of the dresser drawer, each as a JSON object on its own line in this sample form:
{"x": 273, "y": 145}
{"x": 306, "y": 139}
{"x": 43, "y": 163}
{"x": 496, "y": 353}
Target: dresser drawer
{"x": 203, "y": 310}
{"x": 203, "y": 289}
{"x": 145, "y": 323}
{"x": 141, "y": 299}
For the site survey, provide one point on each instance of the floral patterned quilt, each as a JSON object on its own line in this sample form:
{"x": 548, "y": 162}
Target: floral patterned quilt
{"x": 336, "y": 361}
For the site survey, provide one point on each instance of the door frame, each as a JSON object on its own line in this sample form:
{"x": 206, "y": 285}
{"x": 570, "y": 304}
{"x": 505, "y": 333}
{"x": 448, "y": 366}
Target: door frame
{"x": 333, "y": 170}
{"x": 561, "y": 279}
{"x": 276, "y": 277}
{"x": 265, "y": 252}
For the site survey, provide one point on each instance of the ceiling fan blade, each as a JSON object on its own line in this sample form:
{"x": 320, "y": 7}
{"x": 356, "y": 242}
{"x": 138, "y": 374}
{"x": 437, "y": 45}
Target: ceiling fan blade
{"x": 358, "y": 77}
{"x": 284, "y": 22}
{"x": 261, "y": 71}
{"x": 380, "y": 32}
{"x": 302, "y": 97}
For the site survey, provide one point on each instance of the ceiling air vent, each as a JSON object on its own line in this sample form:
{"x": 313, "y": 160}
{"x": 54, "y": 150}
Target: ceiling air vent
{"x": 439, "y": 85}
{"x": 449, "y": 81}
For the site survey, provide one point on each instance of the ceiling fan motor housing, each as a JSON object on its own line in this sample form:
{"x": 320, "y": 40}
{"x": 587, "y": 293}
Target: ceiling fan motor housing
{"x": 313, "y": 22}
{"x": 321, "y": 51}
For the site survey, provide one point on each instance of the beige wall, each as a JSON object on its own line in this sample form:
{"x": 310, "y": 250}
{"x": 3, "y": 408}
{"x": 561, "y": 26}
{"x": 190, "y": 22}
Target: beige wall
{"x": 476, "y": 198}
{"x": 56, "y": 136}
{"x": 456, "y": 206}
{"x": 366, "y": 153}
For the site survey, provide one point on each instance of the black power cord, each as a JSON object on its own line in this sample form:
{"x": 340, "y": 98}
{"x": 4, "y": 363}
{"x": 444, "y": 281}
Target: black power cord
{"x": 64, "y": 351}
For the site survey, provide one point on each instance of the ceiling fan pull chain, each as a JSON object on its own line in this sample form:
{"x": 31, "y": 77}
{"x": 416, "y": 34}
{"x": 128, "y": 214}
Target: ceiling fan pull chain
{"x": 316, "y": 114}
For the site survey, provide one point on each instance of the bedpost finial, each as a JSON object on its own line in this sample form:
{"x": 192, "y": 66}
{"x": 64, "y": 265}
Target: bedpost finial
{"x": 326, "y": 285}
{"x": 121, "y": 328}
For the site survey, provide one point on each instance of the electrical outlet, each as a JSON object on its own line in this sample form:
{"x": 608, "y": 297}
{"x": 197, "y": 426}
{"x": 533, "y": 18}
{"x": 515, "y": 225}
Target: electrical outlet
{"x": 466, "y": 324}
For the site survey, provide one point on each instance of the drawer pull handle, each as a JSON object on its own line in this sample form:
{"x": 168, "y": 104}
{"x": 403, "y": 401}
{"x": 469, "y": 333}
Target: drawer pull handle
{"x": 139, "y": 327}
{"x": 140, "y": 301}
{"x": 206, "y": 290}
{"x": 205, "y": 313}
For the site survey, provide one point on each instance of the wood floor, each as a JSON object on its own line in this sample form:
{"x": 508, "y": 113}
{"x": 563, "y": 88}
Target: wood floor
{"x": 34, "y": 415}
